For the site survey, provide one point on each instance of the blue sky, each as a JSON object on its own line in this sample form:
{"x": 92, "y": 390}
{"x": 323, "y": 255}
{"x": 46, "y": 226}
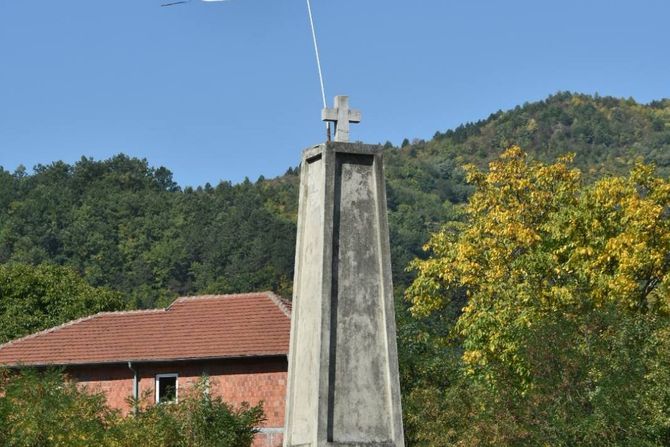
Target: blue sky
{"x": 226, "y": 90}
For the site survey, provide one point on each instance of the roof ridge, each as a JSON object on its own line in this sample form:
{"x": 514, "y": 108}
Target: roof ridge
{"x": 76, "y": 321}
{"x": 279, "y": 302}
{"x": 212, "y": 296}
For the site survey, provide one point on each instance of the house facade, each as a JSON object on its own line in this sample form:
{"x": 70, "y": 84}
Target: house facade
{"x": 239, "y": 341}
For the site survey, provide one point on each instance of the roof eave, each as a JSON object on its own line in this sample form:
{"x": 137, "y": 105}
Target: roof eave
{"x": 142, "y": 361}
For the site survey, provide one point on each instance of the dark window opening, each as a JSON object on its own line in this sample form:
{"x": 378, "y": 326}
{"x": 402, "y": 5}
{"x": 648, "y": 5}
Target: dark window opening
{"x": 167, "y": 389}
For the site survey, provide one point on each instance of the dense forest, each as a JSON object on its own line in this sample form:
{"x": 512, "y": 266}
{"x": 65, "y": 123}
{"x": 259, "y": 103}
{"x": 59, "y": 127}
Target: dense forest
{"x": 127, "y": 226}
{"x": 121, "y": 233}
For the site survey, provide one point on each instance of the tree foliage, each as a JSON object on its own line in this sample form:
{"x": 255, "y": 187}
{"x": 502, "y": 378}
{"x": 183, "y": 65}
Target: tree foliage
{"x": 41, "y": 297}
{"x": 126, "y": 226}
{"x": 564, "y": 334}
{"x": 47, "y": 410}
{"x": 198, "y": 420}
{"x": 44, "y": 410}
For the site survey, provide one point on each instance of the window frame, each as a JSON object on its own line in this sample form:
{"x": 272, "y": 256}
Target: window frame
{"x": 157, "y": 381}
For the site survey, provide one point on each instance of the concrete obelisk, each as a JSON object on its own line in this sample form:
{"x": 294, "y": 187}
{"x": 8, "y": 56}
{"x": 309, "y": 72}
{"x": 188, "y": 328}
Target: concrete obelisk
{"x": 343, "y": 387}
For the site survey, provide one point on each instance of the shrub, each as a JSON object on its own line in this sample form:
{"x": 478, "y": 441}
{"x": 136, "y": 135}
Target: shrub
{"x": 45, "y": 409}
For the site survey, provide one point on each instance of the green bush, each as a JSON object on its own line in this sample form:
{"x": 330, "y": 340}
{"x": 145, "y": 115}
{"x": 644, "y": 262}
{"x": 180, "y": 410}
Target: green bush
{"x": 44, "y": 409}
{"x": 40, "y": 410}
{"x": 198, "y": 420}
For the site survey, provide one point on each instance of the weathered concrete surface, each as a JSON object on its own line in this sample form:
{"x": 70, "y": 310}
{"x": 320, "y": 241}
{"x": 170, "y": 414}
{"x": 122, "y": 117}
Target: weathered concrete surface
{"x": 343, "y": 385}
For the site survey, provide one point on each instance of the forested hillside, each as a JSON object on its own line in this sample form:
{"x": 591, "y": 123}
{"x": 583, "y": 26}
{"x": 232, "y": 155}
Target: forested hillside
{"x": 127, "y": 226}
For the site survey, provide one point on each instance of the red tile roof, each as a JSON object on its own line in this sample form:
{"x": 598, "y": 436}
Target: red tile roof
{"x": 203, "y": 327}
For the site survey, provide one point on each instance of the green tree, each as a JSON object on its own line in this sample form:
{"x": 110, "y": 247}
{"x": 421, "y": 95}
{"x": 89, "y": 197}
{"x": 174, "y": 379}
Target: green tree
{"x": 564, "y": 334}
{"x": 36, "y": 298}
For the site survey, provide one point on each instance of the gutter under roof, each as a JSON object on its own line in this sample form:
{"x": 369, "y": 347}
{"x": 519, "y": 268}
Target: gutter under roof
{"x": 146, "y": 361}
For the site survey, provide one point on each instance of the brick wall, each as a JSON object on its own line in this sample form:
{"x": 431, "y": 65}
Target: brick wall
{"x": 236, "y": 381}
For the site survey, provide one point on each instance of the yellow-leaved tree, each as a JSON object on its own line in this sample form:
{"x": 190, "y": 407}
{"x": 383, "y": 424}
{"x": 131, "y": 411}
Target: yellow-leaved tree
{"x": 565, "y": 334}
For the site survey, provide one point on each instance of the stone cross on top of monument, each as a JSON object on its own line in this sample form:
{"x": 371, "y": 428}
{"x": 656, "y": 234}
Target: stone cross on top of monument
{"x": 341, "y": 115}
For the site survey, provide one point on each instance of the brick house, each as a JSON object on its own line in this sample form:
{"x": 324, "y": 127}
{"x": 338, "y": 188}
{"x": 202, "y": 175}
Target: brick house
{"x": 239, "y": 341}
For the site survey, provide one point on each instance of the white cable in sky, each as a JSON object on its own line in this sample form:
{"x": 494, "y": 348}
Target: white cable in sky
{"x": 189, "y": 1}
{"x": 316, "y": 50}
{"x": 316, "y": 47}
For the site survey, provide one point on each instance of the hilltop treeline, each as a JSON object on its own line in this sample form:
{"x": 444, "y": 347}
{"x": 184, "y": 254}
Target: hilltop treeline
{"x": 125, "y": 225}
